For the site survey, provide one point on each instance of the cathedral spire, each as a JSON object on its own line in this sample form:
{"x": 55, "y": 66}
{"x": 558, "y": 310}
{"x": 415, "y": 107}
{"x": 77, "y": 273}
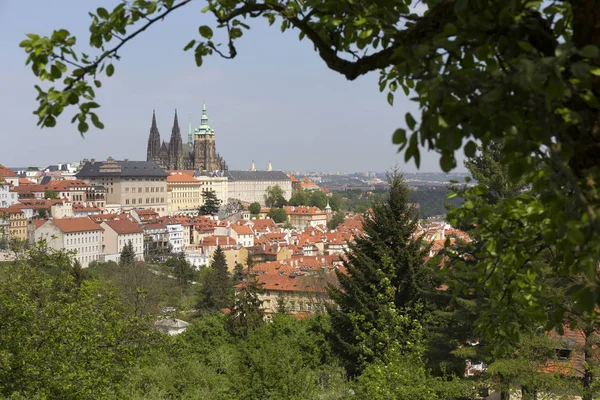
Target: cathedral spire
{"x": 270, "y": 167}
{"x": 252, "y": 167}
{"x": 176, "y": 146}
{"x": 154, "y": 120}
{"x": 153, "y": 141}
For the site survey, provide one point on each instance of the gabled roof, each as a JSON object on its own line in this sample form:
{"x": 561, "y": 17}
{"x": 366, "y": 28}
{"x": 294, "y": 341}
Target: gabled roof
{"x": 180, "y": 177}
{"x": 242, "y": 229}
{"x": 124, "y": 226}
{"x": 70, "y": 225}
{"x": 7, "y": 172}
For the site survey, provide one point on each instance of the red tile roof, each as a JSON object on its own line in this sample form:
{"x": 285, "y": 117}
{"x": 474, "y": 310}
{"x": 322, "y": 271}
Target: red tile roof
{"x": 242, "y": 229}
{"x": 123, "y": 227}
{"x": 7, "y": 172}
{"x": 70, "y": 225}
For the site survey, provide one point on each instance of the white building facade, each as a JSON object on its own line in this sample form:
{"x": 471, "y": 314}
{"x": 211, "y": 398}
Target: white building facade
{"x": 80, "y": 235}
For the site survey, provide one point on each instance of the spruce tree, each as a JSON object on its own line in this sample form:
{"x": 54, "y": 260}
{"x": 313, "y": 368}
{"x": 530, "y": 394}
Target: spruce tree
{"x": 386, "y": 263}
{"x": 127, "y": 255}
{"x": 247, "y": 313}
{"x": 211, "y": 203}
{"x": 216, "y": 289}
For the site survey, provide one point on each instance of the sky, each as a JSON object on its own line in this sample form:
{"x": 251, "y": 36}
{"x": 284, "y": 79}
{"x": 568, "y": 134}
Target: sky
{"x": 275, "y": 101}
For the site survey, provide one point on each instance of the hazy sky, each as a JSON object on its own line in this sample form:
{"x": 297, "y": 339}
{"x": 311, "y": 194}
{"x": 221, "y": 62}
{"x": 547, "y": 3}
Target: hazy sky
{"x": 275, "y": 101}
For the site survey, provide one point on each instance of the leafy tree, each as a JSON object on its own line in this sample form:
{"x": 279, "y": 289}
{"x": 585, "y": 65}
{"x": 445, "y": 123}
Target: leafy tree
{"x": 386, "y": 274}
{"x": 524, "y": 73}
{"x": 43, "y": 213}
{"x": 274, "y": 197}
{"x": 246, "y": 314}
{"x": 254, "y": 208}
{"x": 55, "y": 332}
{"x": 338, "y": 218}
{"x": 182, "y": 271}
{"x": 528, "y": 369}
{"x": 300, "y": 198}
{"x": 278, "y": 215}
{"x": 127, "y": 255}
{"x": 50, "y": 194}
{"x": 215, "y": 287}
{"x": 211, "y": 203}
{"x": 318, "y": 199}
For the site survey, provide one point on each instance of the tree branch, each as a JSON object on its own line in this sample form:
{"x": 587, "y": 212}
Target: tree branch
{"x": 124, "y": 40}
{"x": 423, "y": 29}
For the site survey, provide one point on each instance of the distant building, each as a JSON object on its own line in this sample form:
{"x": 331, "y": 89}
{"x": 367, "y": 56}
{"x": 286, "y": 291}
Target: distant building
{"x": 251, "y": 186}
{"x": 130, "y": 184}
{"x": 186, "y": 189}
{"x": 16, "y": 221}
{"x": 117, "y": 235}
{"x": 81, "y": 235}
{"x": 303, "y": 217}
{"x": 200, "y": 152}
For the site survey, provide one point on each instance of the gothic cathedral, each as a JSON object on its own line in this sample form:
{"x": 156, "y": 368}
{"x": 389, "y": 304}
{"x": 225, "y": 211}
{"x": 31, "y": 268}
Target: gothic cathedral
{"x": 199, "y": 153}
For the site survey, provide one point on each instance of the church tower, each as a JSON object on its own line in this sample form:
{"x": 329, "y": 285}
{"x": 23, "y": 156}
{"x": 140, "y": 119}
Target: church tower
{"x": 175, "y": 146}
{"x": 153, "y": 151}
{"x": 205, "y": 150}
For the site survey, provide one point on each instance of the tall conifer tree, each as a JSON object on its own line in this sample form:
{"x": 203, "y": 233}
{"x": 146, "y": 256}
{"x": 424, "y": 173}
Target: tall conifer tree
{"x": 127, "y": 255}
{"x": 216, "y": 288}
{"x": 386, "y": 257}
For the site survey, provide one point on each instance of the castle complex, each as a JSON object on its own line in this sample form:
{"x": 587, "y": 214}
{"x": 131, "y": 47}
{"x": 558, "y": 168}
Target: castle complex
{"x": 199, "y": 153}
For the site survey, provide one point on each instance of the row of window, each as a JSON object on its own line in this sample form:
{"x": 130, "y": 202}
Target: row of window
{"x": 81, "y": 240}
{"x": 147, "y": 190}
{"x": 149, "y": 200}
{"x": 88, "y": 249}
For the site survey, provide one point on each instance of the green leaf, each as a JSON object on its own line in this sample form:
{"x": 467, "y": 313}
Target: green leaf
{"x": 102, "y": 13}
{"x": 589, "y": 51}
{"x": 83, "y": 127}
{"x": 50, "y": 121}
{"x": 73, "y": 98}
{"x": 189, "y": 45}
{"x": 96, "y": 121}
{"x": 399, "y": 137}
{"x": 470, "y": 149}
{"x": 110, "y": 69}
{"x": 206, "y": 32}
{"x": 580, "y": 69}
{"x": 595, "y": 71}
{"x": 366, "y": 34}
{"x": 410, "y": 121}
{"x": 442, "y": 122}
{"x": 575, "y": 236}
{"x": 390, "y": 98}
{"x": 447, "y": 162}
{"x": 97, "y": 83}
{"x": 55, "y": 72}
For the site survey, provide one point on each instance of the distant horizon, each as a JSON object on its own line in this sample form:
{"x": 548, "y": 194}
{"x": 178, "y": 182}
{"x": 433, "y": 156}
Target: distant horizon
{"x": 22, "y": 168}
